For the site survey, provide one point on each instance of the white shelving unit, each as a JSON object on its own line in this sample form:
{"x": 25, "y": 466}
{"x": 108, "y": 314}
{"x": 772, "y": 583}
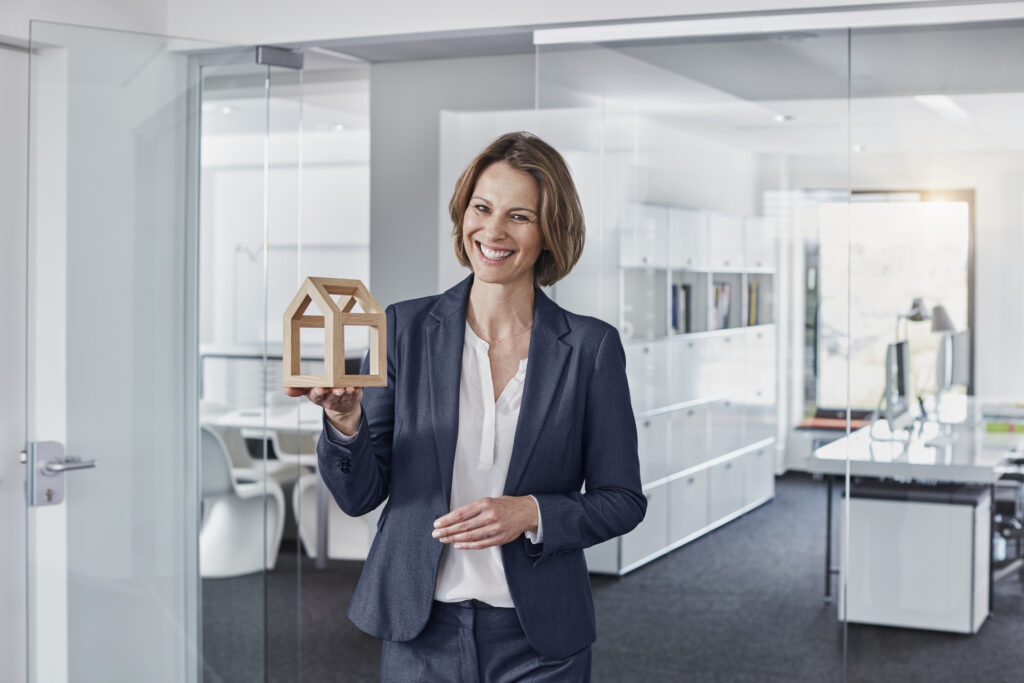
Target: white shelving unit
{"x": 702, "y": 379}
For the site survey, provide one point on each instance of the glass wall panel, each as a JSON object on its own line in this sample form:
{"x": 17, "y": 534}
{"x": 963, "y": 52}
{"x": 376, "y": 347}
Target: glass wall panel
{"x": 238, "y": 540}
{"x": 933, "y": 530}
{"x": 285, "y": 195}
{"x": 707, "y": 167}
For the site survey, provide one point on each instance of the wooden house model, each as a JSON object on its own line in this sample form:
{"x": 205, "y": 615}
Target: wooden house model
{"x": 337, "y": 313}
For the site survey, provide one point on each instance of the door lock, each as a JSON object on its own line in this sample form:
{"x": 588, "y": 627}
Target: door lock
{"x": 46, "y": 468}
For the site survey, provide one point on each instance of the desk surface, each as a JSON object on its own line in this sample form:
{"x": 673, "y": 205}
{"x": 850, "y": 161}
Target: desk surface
{"x": 936, "y": 452}
{"x": 303, "y": 417}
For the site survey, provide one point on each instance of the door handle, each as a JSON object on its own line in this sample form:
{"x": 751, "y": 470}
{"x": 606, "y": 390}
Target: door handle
{"x": 54, "y": 467}
{"x": 45, "y": 468}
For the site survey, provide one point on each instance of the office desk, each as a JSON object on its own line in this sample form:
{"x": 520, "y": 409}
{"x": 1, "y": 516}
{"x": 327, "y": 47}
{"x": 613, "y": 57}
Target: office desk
{"x": 304, "y": 418}
{"x": 963, "y": 453}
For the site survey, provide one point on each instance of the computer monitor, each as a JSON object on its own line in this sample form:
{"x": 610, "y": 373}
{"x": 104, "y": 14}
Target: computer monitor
{"x": 897, "y": 378}
{"x": 953, "y": 361}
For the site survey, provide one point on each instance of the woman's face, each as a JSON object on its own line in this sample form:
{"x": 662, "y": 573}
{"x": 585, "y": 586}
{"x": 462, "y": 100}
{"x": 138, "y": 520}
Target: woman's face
{"x": 500, "y": 230}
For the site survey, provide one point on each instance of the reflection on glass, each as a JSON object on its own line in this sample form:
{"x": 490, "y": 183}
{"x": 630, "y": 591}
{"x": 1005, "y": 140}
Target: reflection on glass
{"x": 285, "y": 195}
{"x": 937, "y": 174}
{"x": 702, "y": 165}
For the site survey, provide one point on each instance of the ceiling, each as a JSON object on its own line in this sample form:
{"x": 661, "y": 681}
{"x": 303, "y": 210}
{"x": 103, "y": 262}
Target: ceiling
{"x": 952, "y": 89}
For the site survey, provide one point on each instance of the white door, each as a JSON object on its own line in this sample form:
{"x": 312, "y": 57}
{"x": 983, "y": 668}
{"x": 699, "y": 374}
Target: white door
{"x": 112, "y": 569}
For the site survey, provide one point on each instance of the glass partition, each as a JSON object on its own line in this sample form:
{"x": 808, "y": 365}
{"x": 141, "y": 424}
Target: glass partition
{"x": 707, "y": 167}
{"x": 937, "y": 170}
{"x": 285, "y": 196}
{"x": 242, "y": 516}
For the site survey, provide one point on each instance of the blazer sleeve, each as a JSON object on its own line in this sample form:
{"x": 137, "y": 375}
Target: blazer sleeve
{"x": 358, "y": 473}
{"x": 612, "y": 502}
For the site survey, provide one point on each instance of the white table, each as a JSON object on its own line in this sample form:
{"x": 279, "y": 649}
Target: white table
{"x": 957, "y": 453}
{"x": 303, "y": 418}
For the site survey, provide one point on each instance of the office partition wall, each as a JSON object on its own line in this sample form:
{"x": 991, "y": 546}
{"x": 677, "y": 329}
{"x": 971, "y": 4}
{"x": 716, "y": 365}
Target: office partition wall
{"x": 696, "y": 235}
{"x": 938, "y": 163}
{"x": 762, "y": 212}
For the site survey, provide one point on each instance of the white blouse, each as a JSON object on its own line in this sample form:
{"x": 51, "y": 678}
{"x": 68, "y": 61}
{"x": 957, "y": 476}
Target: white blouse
{"x": 483, "y": 451}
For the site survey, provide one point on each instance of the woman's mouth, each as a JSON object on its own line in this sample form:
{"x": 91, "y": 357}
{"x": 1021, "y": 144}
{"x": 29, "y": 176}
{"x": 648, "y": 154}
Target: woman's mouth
{"x": 494, "y": 255}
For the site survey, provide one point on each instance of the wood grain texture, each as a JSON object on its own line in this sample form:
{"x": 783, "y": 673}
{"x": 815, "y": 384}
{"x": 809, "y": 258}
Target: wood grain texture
{"x": 336, "y": 315}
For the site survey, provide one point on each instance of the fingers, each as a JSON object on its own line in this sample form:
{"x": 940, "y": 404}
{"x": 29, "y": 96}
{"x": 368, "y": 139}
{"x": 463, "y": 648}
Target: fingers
{"x": 295, "y": 392}
{"x": 481, "y": 524}
{"x": 339, "y": 399}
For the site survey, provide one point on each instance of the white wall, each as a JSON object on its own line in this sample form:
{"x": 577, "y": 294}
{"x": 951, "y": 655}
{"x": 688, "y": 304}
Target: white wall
{"x": 13, "y": 134}
{"x": 310, "y": 20}
{"x": 406, "y": 101}
{"x": 149, "y": 16}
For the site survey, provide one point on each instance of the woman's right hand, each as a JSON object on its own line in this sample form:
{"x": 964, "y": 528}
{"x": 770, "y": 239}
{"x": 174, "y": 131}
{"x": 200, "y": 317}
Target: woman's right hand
{"x": 342, "y": 405}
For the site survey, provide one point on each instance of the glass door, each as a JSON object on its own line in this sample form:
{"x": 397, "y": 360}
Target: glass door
{"x": 113, "y": 458}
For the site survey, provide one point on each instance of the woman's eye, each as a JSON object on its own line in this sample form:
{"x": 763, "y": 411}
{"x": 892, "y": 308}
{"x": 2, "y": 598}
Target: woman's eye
{"x": 482, "y": 209}
{"x": 520, "y": 218}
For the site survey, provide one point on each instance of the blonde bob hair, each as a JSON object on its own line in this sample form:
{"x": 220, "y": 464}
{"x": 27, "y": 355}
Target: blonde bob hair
{"x": 560, "y": 217}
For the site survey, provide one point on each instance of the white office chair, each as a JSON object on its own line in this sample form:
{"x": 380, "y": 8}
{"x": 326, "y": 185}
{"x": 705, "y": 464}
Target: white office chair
{"x": 348, "y": 538}
{"x": 236, "y": 537}
{"x": 244, "y": 465}
{"x": 294, "y": 448}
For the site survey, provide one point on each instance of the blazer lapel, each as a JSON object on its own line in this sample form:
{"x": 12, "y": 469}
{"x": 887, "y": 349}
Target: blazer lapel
{"x": 548, "y": 356}
{"x": 443, "y": 340}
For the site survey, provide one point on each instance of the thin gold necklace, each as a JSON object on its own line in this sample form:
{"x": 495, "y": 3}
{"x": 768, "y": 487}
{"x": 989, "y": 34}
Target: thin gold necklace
{"x": 498, "y": 341}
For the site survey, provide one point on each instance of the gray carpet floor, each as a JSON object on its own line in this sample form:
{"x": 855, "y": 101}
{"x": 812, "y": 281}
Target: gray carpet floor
{"x": 743, "y": 603}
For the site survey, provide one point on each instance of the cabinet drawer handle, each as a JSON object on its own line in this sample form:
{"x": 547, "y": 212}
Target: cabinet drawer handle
{"x": 728, "y": 465}
{"x": 691, "y": 480}
{"x": 647, "y": 423}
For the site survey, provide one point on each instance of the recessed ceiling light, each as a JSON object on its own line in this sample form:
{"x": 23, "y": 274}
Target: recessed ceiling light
{"x": 339, "y": 126}
{"x": 227, "y": 109}
{"x": 858, "y": 148}
{"x": 783, "y": 118}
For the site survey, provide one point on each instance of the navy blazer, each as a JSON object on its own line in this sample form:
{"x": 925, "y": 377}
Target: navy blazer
{"x": 575, "y": 429}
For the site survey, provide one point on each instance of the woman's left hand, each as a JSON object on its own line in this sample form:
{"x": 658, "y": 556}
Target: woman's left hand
{"x": 487, "y": 522}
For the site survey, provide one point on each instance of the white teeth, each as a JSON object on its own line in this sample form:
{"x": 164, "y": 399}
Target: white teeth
{"x": 493, "y": 254}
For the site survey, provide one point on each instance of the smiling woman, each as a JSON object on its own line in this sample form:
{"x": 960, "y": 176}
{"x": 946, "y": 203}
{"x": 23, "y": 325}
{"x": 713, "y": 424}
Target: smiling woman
{"x": 500, "y": 409}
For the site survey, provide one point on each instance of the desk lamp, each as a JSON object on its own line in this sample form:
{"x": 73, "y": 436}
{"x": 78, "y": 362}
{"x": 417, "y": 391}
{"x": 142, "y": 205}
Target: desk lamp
{"x": 917, "y": 313}
{"x": 942, "y": 323}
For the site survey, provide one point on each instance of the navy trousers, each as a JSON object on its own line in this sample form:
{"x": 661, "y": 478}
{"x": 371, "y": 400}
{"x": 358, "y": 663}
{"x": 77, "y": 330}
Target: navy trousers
{"x": 472, "y": 642}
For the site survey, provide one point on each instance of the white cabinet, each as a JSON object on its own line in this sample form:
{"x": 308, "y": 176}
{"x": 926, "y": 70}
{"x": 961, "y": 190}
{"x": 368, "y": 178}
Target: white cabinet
{"x": 651, "y": 535}
{"x": 759, "y": 356}
{"x": 702, "y": 375}
{"x": 645, "y": 369}
{"x": 690, "y": 430}
{"x": 758, "y": 243}
{"x": 646, "y": 243}
{"x": 727, "y": 417}
{"x": 725, "y": 489}
{"x": 688, "y": 511}
{"x": 759, "y": 475}
{"x": 726, "y": 241}
{"x": 652, "y": 439}
{"x": 689, "y": 239}
{"x": 689, "y": 378}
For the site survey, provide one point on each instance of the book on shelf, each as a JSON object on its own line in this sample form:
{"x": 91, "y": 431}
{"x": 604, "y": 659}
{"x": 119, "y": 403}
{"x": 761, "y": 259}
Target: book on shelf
{"x": 752, "y": 287}
{"x": 680, "y": 308}
{"x": 723, "y": 295}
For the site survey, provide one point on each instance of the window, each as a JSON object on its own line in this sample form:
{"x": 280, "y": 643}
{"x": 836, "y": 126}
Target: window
{"x": 888, "y": 248}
